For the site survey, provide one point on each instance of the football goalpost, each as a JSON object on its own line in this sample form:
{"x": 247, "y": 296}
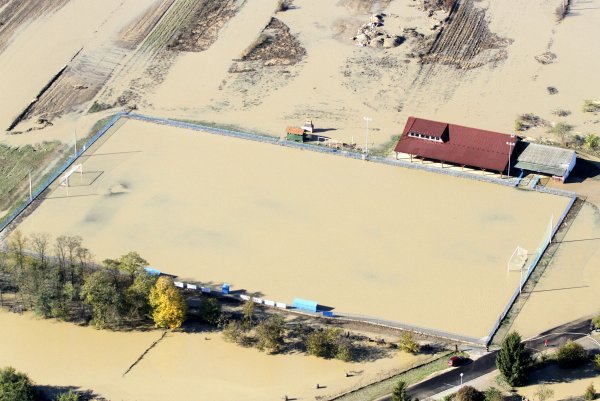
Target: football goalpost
{"x": 64, "y": 180}
{"x": 517, "y": 259}
{"x": 517, "y": 262}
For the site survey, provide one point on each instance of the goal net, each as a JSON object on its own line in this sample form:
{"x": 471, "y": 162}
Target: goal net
{"x": 518, "y": 259}
{"x": 64, "y": 180}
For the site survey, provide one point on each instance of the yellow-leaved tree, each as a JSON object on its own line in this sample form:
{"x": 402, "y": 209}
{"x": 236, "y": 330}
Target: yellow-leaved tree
{"x": 168, "y": 306}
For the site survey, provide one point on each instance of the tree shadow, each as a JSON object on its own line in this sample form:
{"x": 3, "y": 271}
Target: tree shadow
{"x": 369, "y": 353}
{"x": 50, "y": 393}
{"x": 552, "y": 373}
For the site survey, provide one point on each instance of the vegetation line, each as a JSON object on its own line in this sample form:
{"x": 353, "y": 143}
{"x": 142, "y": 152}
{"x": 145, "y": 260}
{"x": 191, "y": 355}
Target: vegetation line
{"x": 144, "y": 353}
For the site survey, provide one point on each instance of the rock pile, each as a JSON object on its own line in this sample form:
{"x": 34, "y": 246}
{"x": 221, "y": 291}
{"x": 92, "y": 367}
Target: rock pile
{"x": 372, "y": 34}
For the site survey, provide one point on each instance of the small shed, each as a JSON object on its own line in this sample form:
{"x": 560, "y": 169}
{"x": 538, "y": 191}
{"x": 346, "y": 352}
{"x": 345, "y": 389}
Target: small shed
{"x": 544, "y": 159}
{"x": 305, "y": 305}
{"x": 295, "y": 134}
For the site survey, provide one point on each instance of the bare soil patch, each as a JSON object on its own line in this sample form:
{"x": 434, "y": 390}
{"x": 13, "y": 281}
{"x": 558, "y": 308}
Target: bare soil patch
{"x": 16, "y": 14}
{"x": 466, "y": 41}
{"x": 134, "y": 33}
{"x": 275, "y": 46}
{"x": 203, "y": 28}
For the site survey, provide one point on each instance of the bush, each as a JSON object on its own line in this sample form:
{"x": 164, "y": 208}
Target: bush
{"x": 69, "y": 396}
{"x": 399, "y": 392}
{"x": 571, "y": 355}
{"x": 561, "y": 130}
{"x": 590, "y": 106}
{"x": 468, "y": 393}
{"x": 269, "y": 334}
{"x": 492, "y": 394}
{"x": 15, "y": 386}
{"x": 590, "y": 393}
{"x": 544, "y": 393}
{"x": 592, "y": 142}
{"x": 597, "y": 362}
{"x": 408, "y": 344}
{"x": 210, "y": 311}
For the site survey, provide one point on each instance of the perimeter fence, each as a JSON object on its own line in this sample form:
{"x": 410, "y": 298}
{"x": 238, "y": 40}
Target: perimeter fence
{"x": 41, "y": 187}
{"x": 538, "y": 255}
{"x": 513, "y": 181}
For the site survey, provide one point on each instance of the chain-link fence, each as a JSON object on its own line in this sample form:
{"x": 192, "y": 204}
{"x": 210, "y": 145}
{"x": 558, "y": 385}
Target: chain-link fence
{"x": 41, "y": 187}
{"x": 513, "y": 181}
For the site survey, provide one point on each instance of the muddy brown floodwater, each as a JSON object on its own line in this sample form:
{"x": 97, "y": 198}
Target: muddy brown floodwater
{"x": 364, "y": 238}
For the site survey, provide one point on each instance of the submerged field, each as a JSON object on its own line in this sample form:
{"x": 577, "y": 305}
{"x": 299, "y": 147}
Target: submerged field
{"x": 175, "y": 369}
{"x": 365, "y": 238}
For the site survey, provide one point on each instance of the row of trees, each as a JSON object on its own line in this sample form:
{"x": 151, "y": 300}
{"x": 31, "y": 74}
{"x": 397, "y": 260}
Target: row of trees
{"x": 514, "y": 361}
{"x": 17, "y": 386}
{"x": 58, "y": 279}
{"x": 269, "y": 334}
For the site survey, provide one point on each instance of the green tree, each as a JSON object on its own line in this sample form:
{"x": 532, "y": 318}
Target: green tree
{"x": 101, "y": 294}
{"x": 210, "y": 311}
{"x": 571, "y": 355}
{"x": 492, "y": 394}
{"x": 590, "y": 393}
{"x": 399, "y": 392}
{"x": 15, "y": 386}
{"x": 597, "y": 362}
{"x": 408, "y": 344}
{"x": 513, "y": 360}
{"x": 561, "y": 130}
{"x": 168, "y": 306}
{"x": 468, "y": 393}
{"x": 344, "y": 350}
{"x": 131, "y": 264}
{"x": 269, "y": 334}
{"x": 248, "y": 310}
{"x": 321, "y": 343}
{"x": 137, "y": 295}
{"x": 544, "y": 393}
{"x": 233, "y": 332}
{"x": 591, "y": 141}
{"x": 68, "y": 396}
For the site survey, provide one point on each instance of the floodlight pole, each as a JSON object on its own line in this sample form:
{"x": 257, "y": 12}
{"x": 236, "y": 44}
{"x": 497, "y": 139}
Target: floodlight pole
{"x": 461, "y": 379}
{"x": 367, "y": 119}
{"x": 75, "y": 141}
{"x": 510, "y": 146}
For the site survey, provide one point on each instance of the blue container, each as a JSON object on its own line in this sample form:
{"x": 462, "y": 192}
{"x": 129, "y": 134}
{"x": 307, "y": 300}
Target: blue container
{"x": 225, "y": 289}
{"x": 151, "y": 271}
{"x": 305, "y": 305}
{"x": 328, "y": 313}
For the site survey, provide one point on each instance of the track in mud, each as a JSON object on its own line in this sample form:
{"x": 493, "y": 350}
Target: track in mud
{"x": 16, "y": 14}
{"x": 466, "y": 42}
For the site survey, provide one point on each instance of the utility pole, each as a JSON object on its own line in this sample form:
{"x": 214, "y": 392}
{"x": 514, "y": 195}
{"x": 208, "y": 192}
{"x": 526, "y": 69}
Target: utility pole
{"x": 510, "y": 147}
{"x": 367, "y": 119}
{"x": 30, "y": 191}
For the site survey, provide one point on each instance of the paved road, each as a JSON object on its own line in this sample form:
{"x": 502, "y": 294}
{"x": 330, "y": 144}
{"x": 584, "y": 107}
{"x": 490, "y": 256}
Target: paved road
{"x": 451, "y": 378}
{"x": 487, "y": 363}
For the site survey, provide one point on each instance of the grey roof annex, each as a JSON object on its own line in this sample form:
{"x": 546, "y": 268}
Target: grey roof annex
{"x": 543, "y": 158}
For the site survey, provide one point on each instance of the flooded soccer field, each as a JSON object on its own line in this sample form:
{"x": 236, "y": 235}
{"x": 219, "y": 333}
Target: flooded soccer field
{"x": 365, "y": 238}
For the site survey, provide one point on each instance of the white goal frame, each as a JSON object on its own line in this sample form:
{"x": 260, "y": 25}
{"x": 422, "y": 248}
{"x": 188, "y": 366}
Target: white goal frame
{"x": 518, "y": 259}
{"x": 64, "y": 180}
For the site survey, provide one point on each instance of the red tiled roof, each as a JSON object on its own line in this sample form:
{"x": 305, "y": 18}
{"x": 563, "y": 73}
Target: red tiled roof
{"x": 464, "y": 146}
{"x": 294, "y": 130}
{"x": 427, "y": 127}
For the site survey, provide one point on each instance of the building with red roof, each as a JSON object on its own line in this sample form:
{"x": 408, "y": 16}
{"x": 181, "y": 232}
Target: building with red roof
{"x": 456, "y": 144}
